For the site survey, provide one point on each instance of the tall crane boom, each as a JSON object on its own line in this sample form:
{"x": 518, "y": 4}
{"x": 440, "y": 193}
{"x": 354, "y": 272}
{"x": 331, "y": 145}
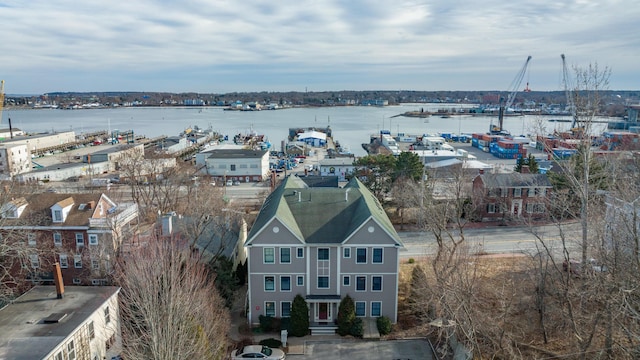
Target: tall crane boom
{"x": 513, "y": 90}
{"x": 568, "y": 92}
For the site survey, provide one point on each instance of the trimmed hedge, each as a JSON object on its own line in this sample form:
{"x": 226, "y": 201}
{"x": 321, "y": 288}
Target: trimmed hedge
{"x": 384, "y": 325}
{"x": 272, "y": 343}
{"x": 357, "y": 328}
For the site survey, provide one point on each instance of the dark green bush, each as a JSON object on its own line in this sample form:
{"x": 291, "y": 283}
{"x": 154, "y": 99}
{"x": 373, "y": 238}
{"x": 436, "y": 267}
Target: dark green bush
{"x": 357, "y": 328}
{"x": 384, "y": 325}
{"x": 299, "y": 317}
{"x": 285, "y": 324}
{"x": 265, "y": 323}
{"x": 272, "y": 343}
{"x": 346, "y": 315}
{"x": 411, "y": 260}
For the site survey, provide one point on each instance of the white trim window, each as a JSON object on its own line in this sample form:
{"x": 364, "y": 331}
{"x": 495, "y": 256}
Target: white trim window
{"x": 376, "y": 283}
{"x": 57, "y": 215}
{"x": 31, "y": 239}
{"x": 346, "y": 280}
{"x": 269, "y": 255}
{"x": 95, "y": 264}
{"x": 361, "y": 308}
{"x": 376, "y": 308}
{"x": 269, "y": 283}
{"x": 57, "y": 239}
{"x": 77, "y": 261}
{"x": 285, "y": 309}
{"x": 285, "y": 283}
{"x": 517, "y": 192}
{"x": 270, "y": 308}
{"x": 361, "y": 255}
{"x": 377, "y": 256}
{"x": 346, "y": 253}
{"x": 64, "y": 261}
{"x": 92, "y": 331}
{"x": 323, "y": 282}
{"x": 93, "y": 239}
{"x": 300, "y": 253}
{"x": 323, "y": 253}
{"x": 285, "y": 255}
{"x": 300, "y": 280}
{"x": 71, "y": 351}
{"x": 107, "y": 316}
{"x": 491, "y": 208}
{"x": 79, "y": 239}
{"x": 35, "y": 261}
{"x": 361, "y": 283}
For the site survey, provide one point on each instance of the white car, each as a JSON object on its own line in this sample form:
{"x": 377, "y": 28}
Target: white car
{"x": 257, "y": 352}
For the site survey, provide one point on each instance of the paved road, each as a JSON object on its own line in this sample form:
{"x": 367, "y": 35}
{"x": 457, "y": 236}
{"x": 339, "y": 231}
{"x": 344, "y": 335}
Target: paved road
{"x": 498, "y": 239}
{"x": 370, "y": 350}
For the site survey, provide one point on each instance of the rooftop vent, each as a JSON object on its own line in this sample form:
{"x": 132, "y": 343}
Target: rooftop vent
{"x": 54, "y": 318}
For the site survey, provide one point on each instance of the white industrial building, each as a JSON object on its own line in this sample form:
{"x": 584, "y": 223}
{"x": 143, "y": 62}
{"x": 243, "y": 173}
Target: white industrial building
{"x": 244, "y": 165}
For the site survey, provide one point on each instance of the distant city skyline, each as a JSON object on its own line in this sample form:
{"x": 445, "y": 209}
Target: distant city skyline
{"x": 225, "y": 46}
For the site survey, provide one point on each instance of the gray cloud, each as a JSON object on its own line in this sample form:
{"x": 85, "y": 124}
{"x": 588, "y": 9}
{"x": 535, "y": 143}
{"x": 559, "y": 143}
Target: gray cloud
{"x": 222, "y": 46}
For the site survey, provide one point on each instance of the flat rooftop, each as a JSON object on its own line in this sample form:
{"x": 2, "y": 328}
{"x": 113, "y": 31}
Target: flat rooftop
{"x": 23, "y": 332}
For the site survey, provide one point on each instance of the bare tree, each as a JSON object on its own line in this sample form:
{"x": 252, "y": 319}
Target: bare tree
{"x": 170, "y": 307}
{"x": 21, "y": 262}
{"x": 211, "y": 224}
{"x": 589, "y": 298}
{"x": 403, "y": 191}
{"x": 157, "y": 183}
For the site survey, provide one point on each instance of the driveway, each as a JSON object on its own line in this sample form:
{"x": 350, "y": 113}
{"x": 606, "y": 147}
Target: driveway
{"x": 370, "y": 350}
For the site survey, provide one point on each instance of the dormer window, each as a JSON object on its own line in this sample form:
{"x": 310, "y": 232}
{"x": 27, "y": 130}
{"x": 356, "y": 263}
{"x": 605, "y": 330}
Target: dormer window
{"x": 61, "y": 209}
{"x": 14, "y": 208}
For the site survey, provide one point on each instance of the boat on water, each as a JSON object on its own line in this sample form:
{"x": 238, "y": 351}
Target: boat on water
{"x": 560, "y": 120}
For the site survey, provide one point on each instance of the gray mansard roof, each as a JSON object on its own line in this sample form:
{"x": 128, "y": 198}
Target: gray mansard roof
{"x": 313, "y": 212}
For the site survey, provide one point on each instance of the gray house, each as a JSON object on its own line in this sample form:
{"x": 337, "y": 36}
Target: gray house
{"x": 322, "y": 243}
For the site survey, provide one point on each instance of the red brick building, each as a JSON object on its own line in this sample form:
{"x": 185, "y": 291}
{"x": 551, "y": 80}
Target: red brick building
{"x": 83, "y": 232}
{"x": 511, "y": 196}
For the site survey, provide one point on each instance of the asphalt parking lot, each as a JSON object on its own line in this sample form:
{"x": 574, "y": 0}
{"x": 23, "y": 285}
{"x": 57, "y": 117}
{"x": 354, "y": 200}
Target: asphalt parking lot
{"x": 371, "y": 350}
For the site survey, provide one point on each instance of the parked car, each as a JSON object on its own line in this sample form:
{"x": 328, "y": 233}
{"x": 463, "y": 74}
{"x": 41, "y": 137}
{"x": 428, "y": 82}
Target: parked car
{"x": 257, "y": 352}
{"x": 236, "y": 182}
{"x": 229, "y": 182}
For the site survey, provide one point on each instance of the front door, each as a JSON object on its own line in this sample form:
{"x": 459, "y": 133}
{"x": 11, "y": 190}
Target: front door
{"x": 516, "y": 208}
{"x": 323, "y": 312}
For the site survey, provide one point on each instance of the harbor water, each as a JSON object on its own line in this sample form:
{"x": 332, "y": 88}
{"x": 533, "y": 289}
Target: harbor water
{"x": 351, "y": 126}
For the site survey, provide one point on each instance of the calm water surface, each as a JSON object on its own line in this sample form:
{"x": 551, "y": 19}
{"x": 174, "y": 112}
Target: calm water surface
{"x": 351, "y": 126}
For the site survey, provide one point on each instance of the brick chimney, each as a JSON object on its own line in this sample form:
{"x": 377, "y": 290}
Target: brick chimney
{"x": 525, "y": 169}
{"x": 480, "y": 171}
{"x": 57, "y": 277}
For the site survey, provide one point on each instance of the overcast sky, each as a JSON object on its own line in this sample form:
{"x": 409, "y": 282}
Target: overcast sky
{"x": 221, "y": 46}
